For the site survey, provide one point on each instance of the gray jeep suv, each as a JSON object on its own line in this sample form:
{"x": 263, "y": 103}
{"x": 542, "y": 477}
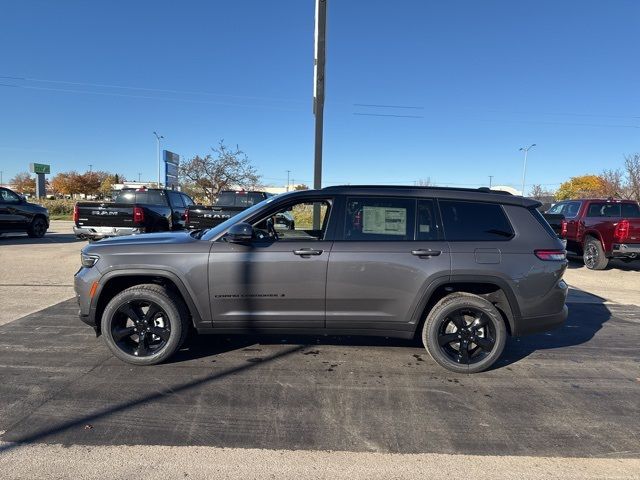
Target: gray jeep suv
{"x": 463, "y": 268}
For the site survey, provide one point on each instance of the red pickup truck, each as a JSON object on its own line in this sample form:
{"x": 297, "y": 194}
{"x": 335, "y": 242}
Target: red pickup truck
{"x": 600, "y": 229}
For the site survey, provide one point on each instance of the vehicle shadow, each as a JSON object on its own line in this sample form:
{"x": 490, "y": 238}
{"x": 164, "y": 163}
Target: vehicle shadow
{"x": 23, "y": 239}
{"x": 585, "y": 320}
{"x": 201, "y": 346}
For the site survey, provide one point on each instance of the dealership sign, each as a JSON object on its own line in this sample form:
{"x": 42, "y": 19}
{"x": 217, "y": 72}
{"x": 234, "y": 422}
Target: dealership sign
{"x": 171, "y": 167}
{"x": 39, "y": 168}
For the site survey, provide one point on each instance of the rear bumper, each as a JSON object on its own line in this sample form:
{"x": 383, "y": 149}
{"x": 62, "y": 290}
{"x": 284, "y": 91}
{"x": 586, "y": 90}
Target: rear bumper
{"x": 543, "y": 323}
{"x": 96, "y": 233}
{"x": 626, "y": 250}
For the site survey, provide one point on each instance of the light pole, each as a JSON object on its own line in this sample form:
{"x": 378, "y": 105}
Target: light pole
{"x": 490, "y": 180}
{"x": 139, "y": 176}
{"x": 318, "y": 99}
{"x": 158, "y": 138}
{"x": 288, "y": 173}
{"x": 524, "y": 168}
{"x": 90, "y": 167}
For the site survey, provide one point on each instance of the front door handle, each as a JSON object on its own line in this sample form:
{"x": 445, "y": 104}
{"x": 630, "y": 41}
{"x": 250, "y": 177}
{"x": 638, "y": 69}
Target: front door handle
{"x": 303, "y": 252}
{"x": 426, "y": 253}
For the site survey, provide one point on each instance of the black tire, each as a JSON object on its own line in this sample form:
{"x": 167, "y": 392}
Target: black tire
{"x": 38, "y": 228}
{"x": 162, "y": 328}
{"x": 594, "y": 256}
{"x": 459, "y": 320}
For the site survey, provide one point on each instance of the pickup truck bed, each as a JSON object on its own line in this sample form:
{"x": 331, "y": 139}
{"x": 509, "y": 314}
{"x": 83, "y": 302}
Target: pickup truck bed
{"x": 133, "y": 212}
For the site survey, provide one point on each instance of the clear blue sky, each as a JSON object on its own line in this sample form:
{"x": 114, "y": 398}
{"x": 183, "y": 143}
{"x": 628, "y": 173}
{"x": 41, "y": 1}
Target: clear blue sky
{"x": 488, "y": 76}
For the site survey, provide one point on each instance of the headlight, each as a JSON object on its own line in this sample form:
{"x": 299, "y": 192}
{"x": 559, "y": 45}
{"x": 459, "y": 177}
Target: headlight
{"x": 88, "y": 261}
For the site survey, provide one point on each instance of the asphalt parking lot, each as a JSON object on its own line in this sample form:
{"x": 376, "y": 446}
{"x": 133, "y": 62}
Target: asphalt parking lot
{"x": 570, "y": 394}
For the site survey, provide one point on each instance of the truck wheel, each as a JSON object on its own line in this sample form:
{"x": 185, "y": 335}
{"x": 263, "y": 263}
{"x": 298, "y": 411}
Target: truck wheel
{"x": 145, "y": 324}
{"x": 464, "y": 333}
{"x": 594, "y": 256}
{"x": 38, "y": 228}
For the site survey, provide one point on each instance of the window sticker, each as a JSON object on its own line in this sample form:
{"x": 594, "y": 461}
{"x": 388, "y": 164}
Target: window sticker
{"x": 384, "y": 220}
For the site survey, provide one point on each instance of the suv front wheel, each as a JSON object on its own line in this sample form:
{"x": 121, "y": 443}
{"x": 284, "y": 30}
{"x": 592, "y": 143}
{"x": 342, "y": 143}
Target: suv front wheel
{"x": 145, "y": 324}
{"x": 464, "y": 333}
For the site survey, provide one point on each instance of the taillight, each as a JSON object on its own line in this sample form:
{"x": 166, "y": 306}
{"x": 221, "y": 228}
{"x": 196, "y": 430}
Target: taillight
{"x": 138, "y": 215}
{"x": 186, "y": 216}
{"x": 551, "y": 255}
{"x": 621, "y": 232}
{"x": 563, "y": 228}
{"x": 76, "y": 214}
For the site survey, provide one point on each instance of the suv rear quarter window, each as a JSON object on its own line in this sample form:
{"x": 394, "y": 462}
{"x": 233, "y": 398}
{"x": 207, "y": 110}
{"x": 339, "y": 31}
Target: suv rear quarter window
{"x": 474, "y": 221}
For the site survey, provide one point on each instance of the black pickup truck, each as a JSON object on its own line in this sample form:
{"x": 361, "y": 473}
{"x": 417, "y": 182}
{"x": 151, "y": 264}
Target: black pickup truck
{"x": 228, "y": 204}
{"x": 133, "y": 211}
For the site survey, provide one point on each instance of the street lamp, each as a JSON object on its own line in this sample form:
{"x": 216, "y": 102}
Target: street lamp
{"x": 158, "y": 138}
{"x": 524, "y": 168}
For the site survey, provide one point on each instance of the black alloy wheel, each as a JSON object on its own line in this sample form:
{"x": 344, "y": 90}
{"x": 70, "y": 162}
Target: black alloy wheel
{"x": 464, "y": 333}
{"x": 145, "y": 324}
{"x": 140, "y": 328}
{"x": 467, "y": 336}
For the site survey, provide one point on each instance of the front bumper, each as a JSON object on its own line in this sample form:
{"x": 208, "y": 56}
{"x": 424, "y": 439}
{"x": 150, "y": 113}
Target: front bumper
{"x": 626, "y": 250}
{"x": 96, "y": 233}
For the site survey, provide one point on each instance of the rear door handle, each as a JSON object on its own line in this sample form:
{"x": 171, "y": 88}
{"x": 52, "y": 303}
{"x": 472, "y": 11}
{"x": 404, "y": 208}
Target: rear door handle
{"x": 426, "y": 253}
{"x": 303, "y": 252}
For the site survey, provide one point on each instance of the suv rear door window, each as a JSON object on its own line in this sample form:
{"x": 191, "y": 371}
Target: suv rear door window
{"x": 474, "y": 221}
{"x": 379, "y": 218}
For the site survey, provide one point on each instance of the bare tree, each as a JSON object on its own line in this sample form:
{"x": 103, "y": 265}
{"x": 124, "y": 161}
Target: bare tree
{"x": 632, "y": 168}
{"x": 614, "y": 184}
{"x": 226, "y": 168}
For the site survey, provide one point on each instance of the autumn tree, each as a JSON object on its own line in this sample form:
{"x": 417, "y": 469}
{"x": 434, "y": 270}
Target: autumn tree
{"x": 301, "y": 186}
{"x": 106, "y": 187}
{"x": 225, "y": 168}
{"x": 582, "y": 186}
{"x": 24, "y": 183}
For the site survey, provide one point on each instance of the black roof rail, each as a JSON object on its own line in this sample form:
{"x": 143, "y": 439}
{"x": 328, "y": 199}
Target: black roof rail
{"x": 416, "y": 187}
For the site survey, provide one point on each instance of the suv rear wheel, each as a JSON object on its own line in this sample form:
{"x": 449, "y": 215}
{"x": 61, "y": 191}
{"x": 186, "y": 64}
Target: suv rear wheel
{"x": 593, "y": 254}
{"x": 145, "y": 324}
{"x": 464, "y": 333}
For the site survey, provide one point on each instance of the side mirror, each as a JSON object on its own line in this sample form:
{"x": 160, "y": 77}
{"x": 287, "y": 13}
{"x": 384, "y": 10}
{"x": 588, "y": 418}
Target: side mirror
{"x": 240, "y": 233}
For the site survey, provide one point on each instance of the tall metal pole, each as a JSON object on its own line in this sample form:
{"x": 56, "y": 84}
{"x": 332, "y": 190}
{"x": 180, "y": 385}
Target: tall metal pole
{"x": 1, "y": 182}
{"x": 158, "y": 137}
{"x": 288, "y": 172}
{"x": 490, "y": 180}
{"x": 524, "y": 168}
{"x": 318, "y": 99}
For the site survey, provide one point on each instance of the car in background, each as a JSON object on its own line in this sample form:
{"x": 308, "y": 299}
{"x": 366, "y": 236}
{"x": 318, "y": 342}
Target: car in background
{"x": 133, "y": 211}
{"x": 18, "y": 215}
{"x": 229, "y": 204}
{"x": 600, "y": 229}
